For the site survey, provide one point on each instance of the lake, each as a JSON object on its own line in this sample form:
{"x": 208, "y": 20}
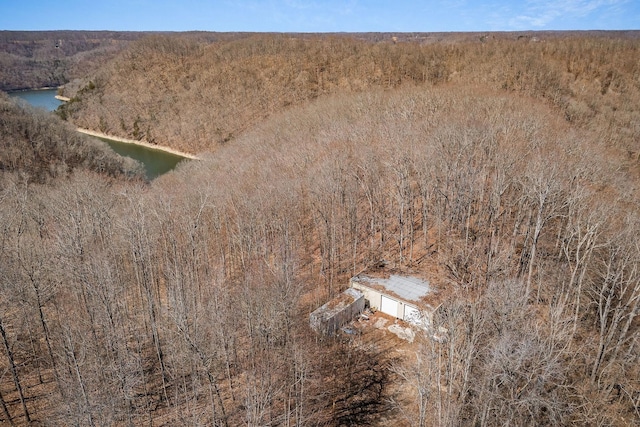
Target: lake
{"x": 155, "y": 162}
{"x": 41, "y": 98}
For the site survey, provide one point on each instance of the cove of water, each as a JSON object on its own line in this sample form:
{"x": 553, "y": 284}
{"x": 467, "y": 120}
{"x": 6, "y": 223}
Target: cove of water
{"x": 155, "y": 162}
{"x": 41, "y": 98}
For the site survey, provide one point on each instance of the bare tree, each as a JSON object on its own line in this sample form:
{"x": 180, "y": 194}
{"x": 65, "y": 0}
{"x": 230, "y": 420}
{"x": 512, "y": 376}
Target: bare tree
{"x": 14, "y": 372}
{"x": 615, "y": 291}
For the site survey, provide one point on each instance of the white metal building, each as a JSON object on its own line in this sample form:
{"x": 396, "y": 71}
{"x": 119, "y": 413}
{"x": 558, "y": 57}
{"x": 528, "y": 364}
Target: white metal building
{"x": 397, "y": 296}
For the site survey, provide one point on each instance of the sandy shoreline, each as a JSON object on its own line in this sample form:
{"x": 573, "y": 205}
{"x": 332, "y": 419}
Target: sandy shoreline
{"x": 142, "y": 143}
{"x": 62, "y": 98}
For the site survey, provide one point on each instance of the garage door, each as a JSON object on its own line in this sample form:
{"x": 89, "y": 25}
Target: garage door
{"x": 412, "y": 315}
{"x": 389, "y": 306}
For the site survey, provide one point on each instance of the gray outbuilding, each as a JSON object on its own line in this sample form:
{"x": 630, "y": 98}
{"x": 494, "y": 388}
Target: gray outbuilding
{"x": 397, "y": 296}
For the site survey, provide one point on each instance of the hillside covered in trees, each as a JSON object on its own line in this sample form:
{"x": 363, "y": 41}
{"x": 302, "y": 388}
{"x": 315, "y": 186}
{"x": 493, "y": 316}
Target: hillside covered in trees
{"x": 36, "y": 59}
{"x": 39, "y": 148}
{"x": 195, "y": 95}
{"x": 504, "y": 170}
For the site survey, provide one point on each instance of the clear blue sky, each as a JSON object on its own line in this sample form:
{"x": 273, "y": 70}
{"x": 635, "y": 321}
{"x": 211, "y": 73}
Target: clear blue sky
{"x": 319, "y": 15}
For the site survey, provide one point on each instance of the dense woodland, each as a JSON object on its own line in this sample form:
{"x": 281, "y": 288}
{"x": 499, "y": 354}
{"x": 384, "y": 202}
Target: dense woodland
{"x": 36, "y": 59}
{"x": 194, "y": 96}
{"x": 502, "y": 169}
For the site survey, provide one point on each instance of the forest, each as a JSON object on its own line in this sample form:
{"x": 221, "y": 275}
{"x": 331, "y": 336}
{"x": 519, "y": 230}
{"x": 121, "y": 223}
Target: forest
{"x": 501, "y": 167}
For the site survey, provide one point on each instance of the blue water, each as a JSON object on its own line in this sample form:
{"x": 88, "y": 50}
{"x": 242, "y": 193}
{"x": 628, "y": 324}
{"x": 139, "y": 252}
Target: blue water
{"x": 43, "y": 98}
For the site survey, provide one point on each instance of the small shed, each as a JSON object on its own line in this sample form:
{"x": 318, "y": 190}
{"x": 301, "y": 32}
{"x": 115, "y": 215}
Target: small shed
{"x": 340, "y": 310}
{"x": 397, "y": 296}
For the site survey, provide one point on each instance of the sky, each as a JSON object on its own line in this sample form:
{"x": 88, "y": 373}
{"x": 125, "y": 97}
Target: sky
{"x": 320, "y": 15}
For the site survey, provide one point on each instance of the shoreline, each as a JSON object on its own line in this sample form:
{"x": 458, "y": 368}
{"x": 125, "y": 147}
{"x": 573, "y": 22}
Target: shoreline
{"x": 141, "y": 143}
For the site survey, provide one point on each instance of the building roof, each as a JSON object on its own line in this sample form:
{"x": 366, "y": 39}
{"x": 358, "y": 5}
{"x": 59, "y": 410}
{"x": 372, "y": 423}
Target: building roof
{"x": 405, "y": 287}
